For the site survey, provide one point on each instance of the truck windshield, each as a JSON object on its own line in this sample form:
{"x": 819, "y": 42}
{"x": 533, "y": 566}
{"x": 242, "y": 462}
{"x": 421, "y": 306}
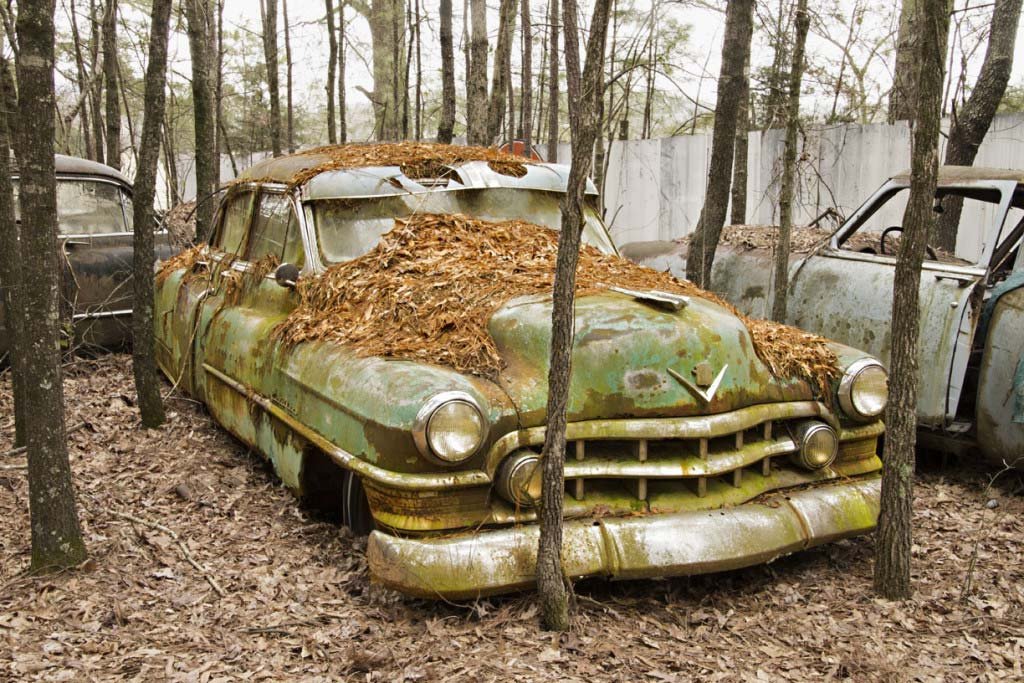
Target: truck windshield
{"x": 349, "y": 228}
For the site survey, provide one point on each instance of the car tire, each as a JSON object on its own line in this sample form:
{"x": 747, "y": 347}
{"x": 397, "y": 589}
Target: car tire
{"x": 355, "y": 507}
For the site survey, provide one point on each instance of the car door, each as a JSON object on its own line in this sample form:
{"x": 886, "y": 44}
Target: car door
{"x": 846, "y": 294}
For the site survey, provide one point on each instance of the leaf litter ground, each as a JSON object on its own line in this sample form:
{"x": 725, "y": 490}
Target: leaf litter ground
{"x": 299, "y": 605}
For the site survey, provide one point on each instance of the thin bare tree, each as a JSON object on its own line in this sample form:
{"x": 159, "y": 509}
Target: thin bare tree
{"x": 476, "y": 94}
{"x": 894, "y": 536}
{"x": 110, "y": 84}
{"x": 342, "y": 116}
{"x": 446, "y": 127}
{"x": 198, "y": 18}
{"x": 147, "y": 384}
{"x": 526, "y": 86}
{"x": 288, "y": 79}
{"x": 972, "y": 121}
{"x": 56, "y": 534}
{"x": 268, "y": 15}
{"x": 553, "y": 81}
{"x": 738, "y": 213}
{"x": 584, "y": 95}
{"x": 332, "y": 66}
{"x": 902, "y": 96}
{"x": 780, "y": 287}
{"x": 735, "y": 51}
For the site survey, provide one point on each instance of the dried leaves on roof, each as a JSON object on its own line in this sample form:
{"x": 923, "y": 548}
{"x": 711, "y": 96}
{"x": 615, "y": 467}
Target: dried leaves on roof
{"x": 428, "y": 290}
{"x": 416, "y": 159}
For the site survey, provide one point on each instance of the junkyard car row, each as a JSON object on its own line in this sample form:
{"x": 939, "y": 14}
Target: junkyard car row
{"x": 686, "y": 454}
{"x": 971, "y": 397}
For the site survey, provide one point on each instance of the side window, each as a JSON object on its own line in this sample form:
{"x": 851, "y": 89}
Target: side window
{"x": 231, "y": 236}
{"x": 275, "y": 231}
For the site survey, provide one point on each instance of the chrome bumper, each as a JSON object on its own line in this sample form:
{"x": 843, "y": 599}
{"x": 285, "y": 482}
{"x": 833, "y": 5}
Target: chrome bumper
{"x": 504, "y": 560}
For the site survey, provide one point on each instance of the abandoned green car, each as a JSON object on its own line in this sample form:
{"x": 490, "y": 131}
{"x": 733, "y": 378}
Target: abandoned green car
{"x": 686, "y": 452}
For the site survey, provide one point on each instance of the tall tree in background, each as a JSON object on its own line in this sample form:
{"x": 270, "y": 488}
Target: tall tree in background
{"x": 735, "y": 52}
{"x": 82, "y": 81}
{"x": 290, "y": 116}
{"x": 780, "y": 287}
{"x": 387, "y": 32}
{"x": 971, "y": 122}
{"x": 219, "y": 136}
{"x": 147, "y": 384}
{"x": 584, "y": 96}
{"x": 553, "y": 83}
{"x": 526, "y": 87}
{"x": 476, "y": 79}
{"x": 738, "y": 215}
{"x": 10, "y": 251}
{"x": 96, "y": 83}
{"x": 894, "y": 536}
{"x": 110, "y": 71}
{"x": 500, "y": 81}
{"x": 902, "y": 95}
{"x": 268, "y": 13}
{"x": 446, "y": 127}
{"x": 56, "y": 534}
{"x": 198, "y": 16}
{"x": 342, "y": 116}
{"x": 332, "y": 65}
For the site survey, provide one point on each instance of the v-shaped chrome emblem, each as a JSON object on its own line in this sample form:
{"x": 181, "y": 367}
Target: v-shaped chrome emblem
{"x": 706, "y": 395}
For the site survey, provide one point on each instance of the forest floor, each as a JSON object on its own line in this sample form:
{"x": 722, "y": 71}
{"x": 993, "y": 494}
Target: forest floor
{"x": 203, "y": 568}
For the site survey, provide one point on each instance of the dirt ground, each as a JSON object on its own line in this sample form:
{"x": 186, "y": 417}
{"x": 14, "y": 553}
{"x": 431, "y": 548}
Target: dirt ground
{"x": 203, "y": 568}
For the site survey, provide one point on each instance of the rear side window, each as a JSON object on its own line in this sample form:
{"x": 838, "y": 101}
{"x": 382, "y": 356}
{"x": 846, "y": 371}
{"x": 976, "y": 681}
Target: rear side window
{"x": 275, "y": 231}
{"x": 236, "y": 219}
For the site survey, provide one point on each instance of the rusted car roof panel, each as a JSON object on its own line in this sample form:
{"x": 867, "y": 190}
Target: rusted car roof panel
{"x": 77, "y": 166}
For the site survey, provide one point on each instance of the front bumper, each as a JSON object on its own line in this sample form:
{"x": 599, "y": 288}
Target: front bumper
{"x": 488, "y": 562}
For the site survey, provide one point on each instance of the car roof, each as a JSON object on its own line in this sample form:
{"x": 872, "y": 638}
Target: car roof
{"x": 372, "y": 180}
{"x": 957, "y": 175}
{"x": 66, "y": 165}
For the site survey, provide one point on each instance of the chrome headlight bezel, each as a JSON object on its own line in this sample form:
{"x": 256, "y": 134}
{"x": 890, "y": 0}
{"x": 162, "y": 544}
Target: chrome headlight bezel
{"x": 421, "y": 426}
{"x": 804, "y": 433}
{"x": 848, "y": 387}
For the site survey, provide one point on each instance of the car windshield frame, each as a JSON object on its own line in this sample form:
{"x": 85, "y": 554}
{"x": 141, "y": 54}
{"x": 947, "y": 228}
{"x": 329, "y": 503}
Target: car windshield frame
{"x": 594, "y": 225}
{"x": 124, "y": 192}
{"x": 995, "y": 231}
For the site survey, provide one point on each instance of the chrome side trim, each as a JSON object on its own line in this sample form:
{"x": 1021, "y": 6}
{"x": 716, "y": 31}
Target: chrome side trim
{"x": 102, "y": 314}
{"x": 480, "y": 563}
{"x": 398, "y": 480}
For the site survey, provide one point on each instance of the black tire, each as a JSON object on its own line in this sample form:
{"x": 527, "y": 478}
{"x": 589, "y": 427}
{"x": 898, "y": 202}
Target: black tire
{"x": 355, "y": 508}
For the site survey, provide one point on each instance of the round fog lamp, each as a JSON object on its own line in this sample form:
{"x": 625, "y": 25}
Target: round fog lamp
{"x": 519, "y": 479}
{"x": 450, "y": 427}
{"x": 864, "y": 390}
{"x": 817, "y": 444}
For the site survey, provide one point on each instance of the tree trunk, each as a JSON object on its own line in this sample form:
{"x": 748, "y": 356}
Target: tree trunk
{"x": 110, "y": 71}
{"x": 290, "y": 116}
{"x": 741, "y": 153}
{"x": 96, "y": 94}
{"x": 972, "y": 122}
{"x": 780, "y": 294}
{"x": 268, "y": 12}
{"x": 526, "y": 87}
{"x": 735, "y": 51}
{"x": 387, "y": 31}
{"x": 82, "y": 82}
{"x": 419, "y": 71}
{"x": 197, "y": 14}
{"x": 10, "y": 256}
{"x": 476, "y": 100}
{"x": 147, "y": 384}
{"x": 446, "y": 128}
{"x": 553, "y": 84}
{"x": 218, "y": 97}
{"x": 56, "y": 534}
{"x": 342, "y": 116}
{"x": 332, "y": 65}
{"x": 894, "y": 536}
{"x": 584, "y": 95}
{"x": 901, "y": 98}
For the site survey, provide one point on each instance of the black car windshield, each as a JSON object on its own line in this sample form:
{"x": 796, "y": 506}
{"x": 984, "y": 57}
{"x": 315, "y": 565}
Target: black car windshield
{"x": 349, "y": 228}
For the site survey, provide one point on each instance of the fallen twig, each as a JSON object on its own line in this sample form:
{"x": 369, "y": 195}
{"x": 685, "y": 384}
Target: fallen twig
{"x": 22, "y": 449}
{"x": 181, "y": 546}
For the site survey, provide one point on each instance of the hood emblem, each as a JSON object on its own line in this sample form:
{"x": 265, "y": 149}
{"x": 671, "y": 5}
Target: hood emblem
{"x": 705, "y": 395}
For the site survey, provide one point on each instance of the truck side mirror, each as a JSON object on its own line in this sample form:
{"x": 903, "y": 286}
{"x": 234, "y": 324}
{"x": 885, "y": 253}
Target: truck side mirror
{"x": 286, "y": 275}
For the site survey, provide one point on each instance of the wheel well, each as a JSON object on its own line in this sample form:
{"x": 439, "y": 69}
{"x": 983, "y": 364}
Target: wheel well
{"x": 323, "y": 482}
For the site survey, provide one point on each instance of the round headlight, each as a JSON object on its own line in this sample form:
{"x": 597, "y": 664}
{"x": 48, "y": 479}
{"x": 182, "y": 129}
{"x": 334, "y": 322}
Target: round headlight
{"x": 450, "y": 427}
{"x": 817, "y": 444}
{"x": 864, "y": 390}
{"x": 519, "y": 479}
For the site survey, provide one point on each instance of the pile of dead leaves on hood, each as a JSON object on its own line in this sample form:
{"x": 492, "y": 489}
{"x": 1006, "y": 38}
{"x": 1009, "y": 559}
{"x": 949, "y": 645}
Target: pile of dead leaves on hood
{"x": 429, "y": 288}
{"x": 416, "y": 159}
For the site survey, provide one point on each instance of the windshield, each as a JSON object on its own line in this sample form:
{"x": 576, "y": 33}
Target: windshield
{"x": 349, "y": 228}
{"x": 86, "y": 207}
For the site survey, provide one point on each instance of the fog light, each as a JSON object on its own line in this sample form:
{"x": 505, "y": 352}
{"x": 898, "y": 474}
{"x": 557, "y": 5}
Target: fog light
{"x": 519, "y": 479}
{"x": 817, "y": 445}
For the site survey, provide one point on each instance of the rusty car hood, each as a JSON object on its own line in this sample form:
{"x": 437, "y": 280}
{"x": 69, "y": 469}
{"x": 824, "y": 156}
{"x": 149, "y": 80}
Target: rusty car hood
{"x": 623, "y": 352}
